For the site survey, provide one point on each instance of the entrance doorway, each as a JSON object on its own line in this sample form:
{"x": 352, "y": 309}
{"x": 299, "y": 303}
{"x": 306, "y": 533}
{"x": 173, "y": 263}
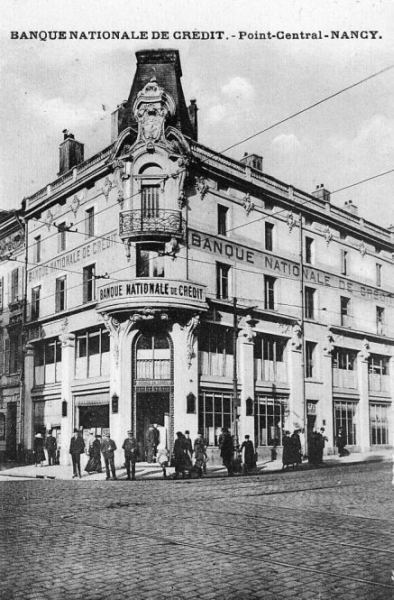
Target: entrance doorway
{"x": 152, "y": 408}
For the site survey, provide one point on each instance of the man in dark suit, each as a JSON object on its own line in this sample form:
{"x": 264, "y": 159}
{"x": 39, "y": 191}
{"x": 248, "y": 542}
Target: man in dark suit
{"x": 51, "y": 446}
{"x": 77, "y": 447}
{"x": 108, "y": 448}
{"x": 130, "y": 448}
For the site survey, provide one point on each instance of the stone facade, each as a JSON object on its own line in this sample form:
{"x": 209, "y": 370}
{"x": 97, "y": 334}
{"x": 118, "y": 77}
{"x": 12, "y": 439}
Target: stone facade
{"x": 135, "y": 257}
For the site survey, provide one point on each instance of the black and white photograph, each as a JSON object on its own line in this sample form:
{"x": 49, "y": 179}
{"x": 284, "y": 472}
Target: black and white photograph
{"x": 197, "y": 300}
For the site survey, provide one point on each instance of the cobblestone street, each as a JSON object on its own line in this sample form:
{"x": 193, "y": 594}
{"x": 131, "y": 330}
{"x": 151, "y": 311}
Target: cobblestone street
{"x": 323, "y": 534}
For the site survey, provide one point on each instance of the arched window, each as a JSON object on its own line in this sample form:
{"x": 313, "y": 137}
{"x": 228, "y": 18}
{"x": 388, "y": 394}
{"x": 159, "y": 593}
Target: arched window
{"x": 153, "y": 357}
{"x": 150, "y": 169}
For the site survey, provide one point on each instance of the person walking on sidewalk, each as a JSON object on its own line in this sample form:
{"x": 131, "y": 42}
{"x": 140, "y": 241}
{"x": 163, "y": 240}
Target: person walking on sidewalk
{"x": 39, "y": 454}
{"x": 248, "y": 456}
{"x": 162, "y": 458}
{"x": 130, "y": 448}
{"x": 226, "y": 446}
{"x": 180, "y": 455}
{"x": 77, "y": 447}
{"x": 94, "y": 462}
{"x": 108, "y": 448}
{"x": 200, "y": 455}
{"x": 51, "y": 447}
{"x": 341, "y": 442}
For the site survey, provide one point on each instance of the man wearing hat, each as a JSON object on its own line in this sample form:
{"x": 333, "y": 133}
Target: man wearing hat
{"x": 130, "y": 448}
{"x": 51, "y": 446}
{"x": 77, "y": 447}
{"x": 108, "y": 448}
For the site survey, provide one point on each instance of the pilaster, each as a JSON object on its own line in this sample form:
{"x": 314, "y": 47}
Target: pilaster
{"x": 295, "y": 412}
{"x": 325, "y": 404}
{"x": 29, "y": 383}
{"x": 363, "y": 435}
{"x": 246, "y": 378}
{"x": 67, "y": 422}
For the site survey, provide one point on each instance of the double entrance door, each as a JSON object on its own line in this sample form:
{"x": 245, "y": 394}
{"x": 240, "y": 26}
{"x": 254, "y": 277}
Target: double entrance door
{"x": 152, "y": 408}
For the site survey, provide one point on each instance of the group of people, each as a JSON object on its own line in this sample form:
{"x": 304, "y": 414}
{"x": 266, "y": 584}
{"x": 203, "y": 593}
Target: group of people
{"x": 236, "y": 458}
{"x": 183, "y": 459}
{"x": 50, "y": 445}
{"x": 293, "y": 447}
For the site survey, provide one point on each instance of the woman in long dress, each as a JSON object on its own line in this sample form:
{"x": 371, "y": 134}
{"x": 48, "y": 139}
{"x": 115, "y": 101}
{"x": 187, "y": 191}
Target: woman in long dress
{"x": 39, "y": 454}
{"x": 94, "y": 462}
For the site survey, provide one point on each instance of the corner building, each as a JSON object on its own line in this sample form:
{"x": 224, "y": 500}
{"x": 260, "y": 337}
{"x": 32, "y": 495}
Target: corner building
{"x": 135, "y": 257}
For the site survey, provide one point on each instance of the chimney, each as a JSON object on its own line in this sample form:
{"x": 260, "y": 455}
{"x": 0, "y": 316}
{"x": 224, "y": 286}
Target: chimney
{"x": 321, "y": 193}
{"x": 70, "y": 152}
{"x": 116, "y": 118}
{"x": 192, "y": 110}
{"x": 253, "y": 160}
{"x": 350, "y": 207}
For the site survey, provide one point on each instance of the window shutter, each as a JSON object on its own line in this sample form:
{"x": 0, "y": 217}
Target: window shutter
{"x": 21, "y": 272}
{"x": 1, "y": 353}
{"x": 1, "y": 293}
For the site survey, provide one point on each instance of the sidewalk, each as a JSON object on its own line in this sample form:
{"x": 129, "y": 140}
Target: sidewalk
{"x": 145, "y": 471}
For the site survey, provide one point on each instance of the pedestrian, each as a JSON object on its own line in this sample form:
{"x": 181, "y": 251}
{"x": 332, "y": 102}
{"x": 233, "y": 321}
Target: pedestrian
{"x": 77, "y": 447}
{"x": 130, "y": 448}
{"x": 322, "y": 439}
{"x": 314, "y": 448}
{"x": 162, "y": 458}
{"x": 274, "y": 452}
{"x": 248, "y": 456}
{"x": 287, "y": 454}
{"x": 200, "y": 455}
{"x": 188, "y": 443}
{"x": 39, "y": 454}
{"x": 108, "y": 448}
{"x": 94, "y": 462}
{"x": 150, "y": 440}
{"x": 51, "y": 447}
{"x": 156, "y": 438}
{"x": 226, "y": 446}
{"x": 180, "y": 455}
{"x": 341, "y": 442}
{"x": 296, "y": 448}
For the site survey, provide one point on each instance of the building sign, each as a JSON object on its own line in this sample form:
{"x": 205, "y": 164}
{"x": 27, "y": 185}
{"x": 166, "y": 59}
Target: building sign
{"x": 73, "y": 257}
{"x": 149, "y": 292}
{"x": 269, "y": 263}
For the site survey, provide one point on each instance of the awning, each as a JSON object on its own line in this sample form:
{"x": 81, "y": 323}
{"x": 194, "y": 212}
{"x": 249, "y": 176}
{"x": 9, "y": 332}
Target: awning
{"x": 92, "y": 399}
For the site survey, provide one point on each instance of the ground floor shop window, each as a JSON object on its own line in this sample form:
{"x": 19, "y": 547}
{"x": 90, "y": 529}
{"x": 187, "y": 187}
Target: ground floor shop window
{"x": 269, "y": 414}
{"x": 379, "y": 422}
{"x": 38, "y": 417}
{"x": 215, "y": 412}
{"x": 345, "y": 419}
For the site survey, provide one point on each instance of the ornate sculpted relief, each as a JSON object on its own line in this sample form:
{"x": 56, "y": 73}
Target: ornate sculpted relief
{"x": 328, "y": 235}
{"x": 291, "y": 221}
{"x": 77, "y": 201}
{"x": 49, "y": 219}
{"x": 151, "y": 109}
{"x": 11, "y": 243}
{"x": 248, "y": 204}
{"x": 362, "y": 248}
{"x": 201, "y": 187}
{"x": 296, "y": 339}
{"x": 364, "y": 353}
{"x": 120, "y": 176}
{"x": 106, "y": 187}
{"x": 329, "y": 343}
{"x": 247, "y": 332}
{"x": 191, "y": 331}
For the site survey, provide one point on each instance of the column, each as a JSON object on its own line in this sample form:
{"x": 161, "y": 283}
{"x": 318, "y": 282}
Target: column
{"x": 325, "y": 405}
{"x": 295, "y": 412}
{"x": 185, "y": 377}
{"x": 363, "y": 434}
{"x": 67, "y": 423}
{"x": 29, "y": 383}
{"x": 391, "y": 409}
{"x": 246, "y": 378}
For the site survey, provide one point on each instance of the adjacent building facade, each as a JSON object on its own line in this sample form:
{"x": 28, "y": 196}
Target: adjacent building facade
{"x": 156, "y": 263}
{"x": 12, "y": 283}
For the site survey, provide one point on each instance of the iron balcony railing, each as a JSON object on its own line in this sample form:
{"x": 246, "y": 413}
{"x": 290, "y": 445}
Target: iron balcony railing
{"x": 160, "y": 222}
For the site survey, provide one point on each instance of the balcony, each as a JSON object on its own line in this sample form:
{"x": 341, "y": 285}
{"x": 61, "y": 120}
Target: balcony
{"x": 15, "y": 308}
{"x": 161, "y": 223}
{"x": 378, "y": 382}
{"x": 344, "y": 378}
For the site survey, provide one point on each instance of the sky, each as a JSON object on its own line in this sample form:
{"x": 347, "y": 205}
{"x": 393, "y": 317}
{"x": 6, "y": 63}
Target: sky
{"x": 242, "y": 86}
